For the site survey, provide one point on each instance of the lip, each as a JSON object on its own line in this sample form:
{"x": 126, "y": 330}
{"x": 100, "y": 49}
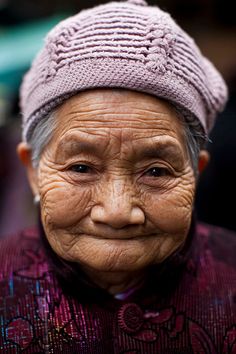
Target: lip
{"x": 120, "y": 237}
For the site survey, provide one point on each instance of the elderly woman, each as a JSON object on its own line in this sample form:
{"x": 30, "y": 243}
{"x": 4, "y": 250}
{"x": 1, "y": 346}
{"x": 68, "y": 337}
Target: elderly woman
{"x": 116, "y": 111}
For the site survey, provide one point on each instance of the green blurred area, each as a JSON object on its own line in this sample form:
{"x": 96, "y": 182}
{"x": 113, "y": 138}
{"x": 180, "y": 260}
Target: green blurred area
{"x": 18, "y": 46}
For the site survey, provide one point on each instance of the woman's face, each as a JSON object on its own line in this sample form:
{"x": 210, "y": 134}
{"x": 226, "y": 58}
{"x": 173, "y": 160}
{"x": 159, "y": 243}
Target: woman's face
{"x": 115, "y": 181}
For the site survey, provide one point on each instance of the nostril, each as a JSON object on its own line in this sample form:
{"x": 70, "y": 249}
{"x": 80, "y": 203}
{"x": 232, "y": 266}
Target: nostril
{"x": 117, "y": 218}
{"x": 137, "y": 216}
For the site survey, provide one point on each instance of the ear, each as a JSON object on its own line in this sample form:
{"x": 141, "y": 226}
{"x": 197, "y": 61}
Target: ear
{"x": 24, "y": 154}
{"x": 203, "y": 160}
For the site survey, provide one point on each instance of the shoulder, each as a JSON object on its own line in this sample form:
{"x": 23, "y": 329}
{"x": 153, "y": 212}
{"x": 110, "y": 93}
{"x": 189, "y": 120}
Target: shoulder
{"x": 219, "y": 242}
{"x": 215, "y": 231}
{"x": 216, "y": 262}
{"x": 22, "y": 250}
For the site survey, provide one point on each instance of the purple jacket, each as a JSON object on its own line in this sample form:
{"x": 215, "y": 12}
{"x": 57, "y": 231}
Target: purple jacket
{"x": 188, "y": 305}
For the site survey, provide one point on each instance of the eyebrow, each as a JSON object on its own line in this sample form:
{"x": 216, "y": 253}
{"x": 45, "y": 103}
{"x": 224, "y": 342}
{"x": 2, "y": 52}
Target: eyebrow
{"x": 73, "y": 147}
{"x": 168, "y": 149}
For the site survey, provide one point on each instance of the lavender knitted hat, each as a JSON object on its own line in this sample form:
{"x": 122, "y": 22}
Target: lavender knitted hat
{"x": 122, "y": 45}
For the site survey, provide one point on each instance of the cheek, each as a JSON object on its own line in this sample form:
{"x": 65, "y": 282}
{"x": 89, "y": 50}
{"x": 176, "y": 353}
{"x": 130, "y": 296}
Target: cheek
{"x": 171, "y": 212}
{"x": 63, "y": 205}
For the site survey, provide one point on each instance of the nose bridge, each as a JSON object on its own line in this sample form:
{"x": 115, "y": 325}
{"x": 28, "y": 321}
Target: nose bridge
{"x": 118, "y": 196}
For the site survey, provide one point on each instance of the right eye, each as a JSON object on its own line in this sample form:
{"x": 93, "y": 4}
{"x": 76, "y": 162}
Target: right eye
{"x": 80, "y": 168}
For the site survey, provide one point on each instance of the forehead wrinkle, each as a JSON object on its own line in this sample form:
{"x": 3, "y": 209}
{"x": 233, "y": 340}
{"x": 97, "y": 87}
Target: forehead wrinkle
{"x": 129, "y": 118}
{"x": 161, "y": 134}
{"x": 78, "y": 142}
{"x": 92, "y": 123}
{"x": 163, "y": 146}
{"x": 115, "y": 114}
{"x": 105, "y": 127}
{"x": 123, "y": 98}
{"x": 117, "y": 125}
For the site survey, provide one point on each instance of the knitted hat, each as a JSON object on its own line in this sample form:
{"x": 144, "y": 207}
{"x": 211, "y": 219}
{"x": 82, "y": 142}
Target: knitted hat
{"x": 122, "y": 45}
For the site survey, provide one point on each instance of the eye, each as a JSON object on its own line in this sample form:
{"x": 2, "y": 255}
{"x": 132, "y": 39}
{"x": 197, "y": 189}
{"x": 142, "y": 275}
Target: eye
{"x": 80, "y": 168}
{"x": 158, "y": 172}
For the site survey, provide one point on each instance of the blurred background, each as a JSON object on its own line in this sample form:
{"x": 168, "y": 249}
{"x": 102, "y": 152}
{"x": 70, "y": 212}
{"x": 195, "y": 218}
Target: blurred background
{"x": 23, "y": 25}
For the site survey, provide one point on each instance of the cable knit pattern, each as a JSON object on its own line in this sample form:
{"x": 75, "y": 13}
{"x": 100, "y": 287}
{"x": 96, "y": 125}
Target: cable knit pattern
{"x": 125, "y": 45}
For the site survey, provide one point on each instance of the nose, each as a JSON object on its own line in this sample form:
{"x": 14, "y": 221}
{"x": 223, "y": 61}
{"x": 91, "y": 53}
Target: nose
{"x": 117, "y": 207}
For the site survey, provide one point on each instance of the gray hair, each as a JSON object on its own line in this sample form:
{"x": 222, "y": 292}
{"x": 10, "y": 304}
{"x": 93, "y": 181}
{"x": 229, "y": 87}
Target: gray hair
{"x": 195, "y": 138}
{"x": 41, "y": 136}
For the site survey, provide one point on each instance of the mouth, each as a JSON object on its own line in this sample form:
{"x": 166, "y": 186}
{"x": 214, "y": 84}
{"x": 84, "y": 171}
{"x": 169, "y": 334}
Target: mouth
{"x": 121, "y": 237}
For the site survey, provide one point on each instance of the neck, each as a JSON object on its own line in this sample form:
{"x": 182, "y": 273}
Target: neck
{"x": 115, "y": 282}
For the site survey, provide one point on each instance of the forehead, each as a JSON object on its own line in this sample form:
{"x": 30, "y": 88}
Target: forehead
{"x": 124, "y": 114}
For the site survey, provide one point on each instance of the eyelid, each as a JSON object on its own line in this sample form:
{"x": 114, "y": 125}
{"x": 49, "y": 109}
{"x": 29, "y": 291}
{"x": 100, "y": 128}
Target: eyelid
{"x": 93, "y": 164}
{"x": 81, "y": 177}
{"x": 157, "y": 164}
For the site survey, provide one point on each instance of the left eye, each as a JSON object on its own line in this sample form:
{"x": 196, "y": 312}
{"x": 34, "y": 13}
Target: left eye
{"x": 80, "y": 168}
{"x": 158, "y": 172}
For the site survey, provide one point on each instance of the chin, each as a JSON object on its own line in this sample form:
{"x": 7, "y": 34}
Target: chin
{"x": 124, "y": 256}
{"x": 129, "y": 262}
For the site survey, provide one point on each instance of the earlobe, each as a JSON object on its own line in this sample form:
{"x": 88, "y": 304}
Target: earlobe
{"x": 24, "y": 154}
{"x": 203, "y": 160}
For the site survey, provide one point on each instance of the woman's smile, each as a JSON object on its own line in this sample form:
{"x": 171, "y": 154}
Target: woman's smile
{"x": 118, "y": 197}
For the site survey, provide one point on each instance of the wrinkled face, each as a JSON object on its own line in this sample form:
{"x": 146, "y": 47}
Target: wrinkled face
{"x": 115, "y": 181}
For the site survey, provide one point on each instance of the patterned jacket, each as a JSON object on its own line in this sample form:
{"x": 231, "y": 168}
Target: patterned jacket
{"x": 188, "y": 305}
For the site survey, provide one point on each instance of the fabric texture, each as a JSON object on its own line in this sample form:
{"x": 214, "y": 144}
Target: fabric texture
{"x": 122, "y": 45}
{"x": 197, "y": 314}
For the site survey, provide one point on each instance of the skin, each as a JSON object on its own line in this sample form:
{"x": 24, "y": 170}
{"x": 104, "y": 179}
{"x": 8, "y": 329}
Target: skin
{"x": 116, "y": 184}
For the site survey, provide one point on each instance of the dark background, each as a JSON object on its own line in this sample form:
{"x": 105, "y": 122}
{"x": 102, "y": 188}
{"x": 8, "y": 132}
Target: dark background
{"x": 212, "y": 24}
